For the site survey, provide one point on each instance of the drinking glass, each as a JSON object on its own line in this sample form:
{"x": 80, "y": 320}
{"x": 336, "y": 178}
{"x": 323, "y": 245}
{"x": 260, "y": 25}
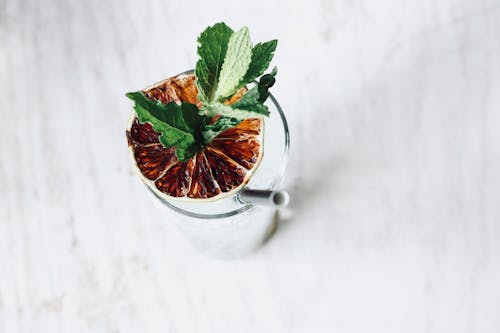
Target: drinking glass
{"x": 230, "y": 227}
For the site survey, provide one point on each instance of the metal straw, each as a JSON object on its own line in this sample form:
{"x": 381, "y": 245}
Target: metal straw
{"x": 265, "y": 197}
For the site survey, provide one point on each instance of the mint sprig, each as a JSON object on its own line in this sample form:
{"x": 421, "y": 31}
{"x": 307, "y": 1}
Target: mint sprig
{"x": 241, "y": 64}
{"x": 227, "y": 62}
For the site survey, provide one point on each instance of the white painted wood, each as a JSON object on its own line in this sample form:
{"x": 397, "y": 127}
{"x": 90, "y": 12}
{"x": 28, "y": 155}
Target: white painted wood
{"x": 394, "y": 226}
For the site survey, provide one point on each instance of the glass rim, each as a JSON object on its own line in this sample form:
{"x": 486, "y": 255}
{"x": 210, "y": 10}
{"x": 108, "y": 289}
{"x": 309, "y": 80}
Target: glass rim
{"x": 277, "y": 181}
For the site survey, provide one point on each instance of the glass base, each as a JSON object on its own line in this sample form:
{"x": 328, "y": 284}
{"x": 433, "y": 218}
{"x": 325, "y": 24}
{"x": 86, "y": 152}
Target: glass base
{"x": 230, "y": 237}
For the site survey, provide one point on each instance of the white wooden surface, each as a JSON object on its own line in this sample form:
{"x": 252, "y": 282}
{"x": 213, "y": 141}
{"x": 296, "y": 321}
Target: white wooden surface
{"x": 394, "y": 109}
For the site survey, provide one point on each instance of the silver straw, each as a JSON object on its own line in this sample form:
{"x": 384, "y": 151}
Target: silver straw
{"x": 265, "y": 197}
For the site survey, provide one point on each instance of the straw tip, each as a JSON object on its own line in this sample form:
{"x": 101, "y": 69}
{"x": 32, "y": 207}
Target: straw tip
{"x": 280, "y": 198}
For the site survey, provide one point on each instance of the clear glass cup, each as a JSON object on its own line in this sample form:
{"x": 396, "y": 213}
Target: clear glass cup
{"x": 230, "y": 228}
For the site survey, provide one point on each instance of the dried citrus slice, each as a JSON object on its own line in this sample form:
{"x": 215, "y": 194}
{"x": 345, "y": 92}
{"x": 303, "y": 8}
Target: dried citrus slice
{"x": 218, "y": 170}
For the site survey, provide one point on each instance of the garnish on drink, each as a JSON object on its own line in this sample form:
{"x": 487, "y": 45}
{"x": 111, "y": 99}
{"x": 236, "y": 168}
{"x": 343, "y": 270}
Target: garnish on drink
{"x": 199, "y": 136}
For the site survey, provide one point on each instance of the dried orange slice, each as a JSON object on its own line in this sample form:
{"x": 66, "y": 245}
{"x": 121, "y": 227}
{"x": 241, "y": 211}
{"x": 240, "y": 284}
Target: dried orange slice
{"x": 218, "y": 170}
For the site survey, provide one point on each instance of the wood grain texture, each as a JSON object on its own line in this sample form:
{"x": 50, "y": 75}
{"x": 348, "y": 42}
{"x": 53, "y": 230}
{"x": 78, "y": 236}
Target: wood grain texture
{"x": 394, "y": 224}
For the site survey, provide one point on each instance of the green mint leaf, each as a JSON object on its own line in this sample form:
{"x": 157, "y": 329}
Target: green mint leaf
{"x": 178, "y": 125}
{"x": 236, "y": 61}
{"x": 212, "y": 48}
{"x": 262, "y": 54}
{"x": 210, "y": 131}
